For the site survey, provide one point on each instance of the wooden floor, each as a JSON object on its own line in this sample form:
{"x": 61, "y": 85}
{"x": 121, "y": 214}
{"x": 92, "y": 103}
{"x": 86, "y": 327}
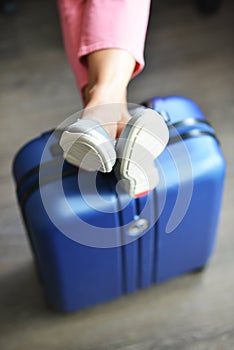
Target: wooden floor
{"x": 186, "y": 54}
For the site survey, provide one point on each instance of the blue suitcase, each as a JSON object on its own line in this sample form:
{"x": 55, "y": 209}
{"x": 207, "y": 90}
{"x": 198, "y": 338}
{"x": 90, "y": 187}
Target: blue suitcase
{"x": 92, "y": 244}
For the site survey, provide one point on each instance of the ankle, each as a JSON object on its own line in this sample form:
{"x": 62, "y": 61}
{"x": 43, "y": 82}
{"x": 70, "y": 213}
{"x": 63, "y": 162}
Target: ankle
{"x": 102, "y": 93}
{"x": 108, "y": 106}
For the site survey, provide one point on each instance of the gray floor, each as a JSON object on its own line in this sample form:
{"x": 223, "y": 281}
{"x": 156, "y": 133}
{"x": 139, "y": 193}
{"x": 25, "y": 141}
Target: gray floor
{"x": 187, "y": 54}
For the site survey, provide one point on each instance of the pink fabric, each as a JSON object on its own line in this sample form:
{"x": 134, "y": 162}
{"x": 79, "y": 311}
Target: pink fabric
{"x": 90, "y": 25}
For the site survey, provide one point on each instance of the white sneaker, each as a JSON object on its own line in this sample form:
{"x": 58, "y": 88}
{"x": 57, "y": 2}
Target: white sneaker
{"x": 87, "y": 144}
{"x": 142, "y": 140}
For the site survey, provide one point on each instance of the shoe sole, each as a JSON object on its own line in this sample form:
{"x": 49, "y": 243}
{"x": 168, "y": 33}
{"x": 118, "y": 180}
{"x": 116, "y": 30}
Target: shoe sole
{"x": 143, "y": 141}
{"x": 86, "y": 152}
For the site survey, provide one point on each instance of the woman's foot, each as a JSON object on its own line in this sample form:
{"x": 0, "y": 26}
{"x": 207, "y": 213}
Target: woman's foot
{"x": 89, "y": 142}
{"x": 142, "y": 140}
{"x": 108, "y": 106}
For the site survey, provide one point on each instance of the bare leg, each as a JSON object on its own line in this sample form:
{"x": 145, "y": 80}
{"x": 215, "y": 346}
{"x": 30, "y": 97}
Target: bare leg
{"x": 110, "y": 71}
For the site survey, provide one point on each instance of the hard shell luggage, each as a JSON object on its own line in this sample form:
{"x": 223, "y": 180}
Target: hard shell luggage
{"x": 92, "y": 242}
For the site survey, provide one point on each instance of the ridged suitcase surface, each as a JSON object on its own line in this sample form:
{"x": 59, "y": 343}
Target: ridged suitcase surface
{"x": 92, "y": 243}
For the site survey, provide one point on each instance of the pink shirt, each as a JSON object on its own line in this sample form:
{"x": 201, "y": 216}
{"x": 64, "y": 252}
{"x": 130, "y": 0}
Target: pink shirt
{"x": 91, "y": 25}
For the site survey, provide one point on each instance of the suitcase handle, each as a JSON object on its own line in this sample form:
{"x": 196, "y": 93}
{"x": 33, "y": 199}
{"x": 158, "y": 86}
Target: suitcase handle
{"x": 188, "y": 122}
{"x": 192, "y": 133}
